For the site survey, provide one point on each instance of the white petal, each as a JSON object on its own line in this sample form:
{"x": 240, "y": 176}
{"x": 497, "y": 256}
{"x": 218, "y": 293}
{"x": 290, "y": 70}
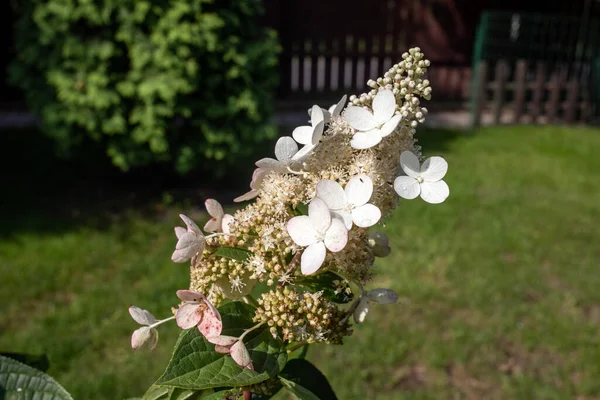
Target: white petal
{"x": 226, "y": 223}
{"x": 190, "y": 296}
{"x": 271, "y": 164}
{"x": 318, "y": 133}
{"x": 142, "y": 336}
{"x": 240, "y": 355}
{"x": 304, "y": 151}
{"x": 246, "y": 196}
{"x": 389, "y": 126}
{"x": 361, "y": 311}
{"x": 179, "y": 232}
{"x": 213, "y": 225}
{"x": 303, "y": 134}
{"x": 214, "y": 208}
{"x": 359, "y": 189}
{"x": 211, "y": 324}
{"x": 222, "y": 340}
{"x": 383, "y": 296}
{"x": 410, "y": 164}
{"x": 222, "y": 349}
{"x": 192, "y": 227}
{"x": 434, "y": 169}
{"x": 319, "y": 215}
{"x": 365, "y": 140}
{"x": 316, "y": 115}
{"x": 384, "y": 106}
{"x": 407, "y": 187}
{"x": 285, "y": 148}
{"x": 366, "y": 215}
{"x": 336, "y": 109}
{"x": 331, "y": 193}
{"x": 302, "y": 231}
{"x": 326, "y": 115}
{"x": 258, "y": 176}
{"x": 434, "y": 192}
{"x": 188, "y": 315}
{"x": 336, "y": 236}
{"x": 142, "y": 317}
{"x": 312, "y": 258}
{"x": 187, "y": 247}
{"x": 344, "y": 216}
{"x": 360, "y": 119}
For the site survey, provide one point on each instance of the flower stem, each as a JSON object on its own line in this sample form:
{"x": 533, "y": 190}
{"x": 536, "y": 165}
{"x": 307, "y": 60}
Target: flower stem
{"x": 297, "y": 172}
{"x": 161, "y": 321}
{"x": 296, "y": 347}
{"x": 247, "y": 331}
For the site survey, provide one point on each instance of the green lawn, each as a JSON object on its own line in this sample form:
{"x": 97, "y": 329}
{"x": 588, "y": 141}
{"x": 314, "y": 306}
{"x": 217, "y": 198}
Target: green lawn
{"x": 499, "y": 286}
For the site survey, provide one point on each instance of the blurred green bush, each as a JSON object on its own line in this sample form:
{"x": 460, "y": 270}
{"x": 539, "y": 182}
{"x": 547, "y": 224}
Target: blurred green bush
{"x": 187, "y": 82}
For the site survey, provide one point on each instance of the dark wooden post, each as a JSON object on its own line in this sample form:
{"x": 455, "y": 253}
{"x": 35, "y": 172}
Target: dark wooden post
{"x": 499, "y": 90}
{"x": 520, "y": 89}
{"x": 480, "y": 92}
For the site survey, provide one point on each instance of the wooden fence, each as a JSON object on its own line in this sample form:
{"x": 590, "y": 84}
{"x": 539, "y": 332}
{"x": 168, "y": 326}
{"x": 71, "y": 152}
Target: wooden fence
{"x": 532, "y": 92}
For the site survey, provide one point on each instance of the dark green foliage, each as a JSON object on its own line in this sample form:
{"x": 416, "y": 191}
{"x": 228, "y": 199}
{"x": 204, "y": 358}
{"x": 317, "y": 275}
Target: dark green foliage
{"x": 178, "y": 81}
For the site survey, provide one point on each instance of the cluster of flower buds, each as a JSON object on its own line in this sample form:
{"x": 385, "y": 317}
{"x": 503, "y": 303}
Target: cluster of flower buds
{"x": 330, "y": 181}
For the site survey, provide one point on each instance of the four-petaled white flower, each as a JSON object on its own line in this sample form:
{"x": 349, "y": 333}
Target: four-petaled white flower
{"x": 198, "y": 311}
{"x": 285, "y": 149}
{"x": 350, "y": 204}
{"x": 381, "y": 296}
{"x": 425, "y": 180}
{"x": 219, "y": 221}
{"x": 234, "y": 347}
{"x": 319, "y": 232}
{"x": 333, "y": 111}
{"x": 191, "y": 241}
{"x": 147, "y": 334}
{"x": 310, "y": 136}
{"x": 258, "y": 177}
{"x": 372, "y": 127}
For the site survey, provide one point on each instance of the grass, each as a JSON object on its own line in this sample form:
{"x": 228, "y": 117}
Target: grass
{"x": 499, "y": 286}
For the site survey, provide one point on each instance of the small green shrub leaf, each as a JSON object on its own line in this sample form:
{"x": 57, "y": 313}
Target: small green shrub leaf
{"x": 332, "y": 286}
{"x": 20, "y": 381}
{"x": 235, "y": 253}
{"x": 302, "y": 379}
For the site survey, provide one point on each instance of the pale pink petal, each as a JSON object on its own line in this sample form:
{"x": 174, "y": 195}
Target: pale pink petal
{"x": 214, "y": 208}
{"x": 187, "y": 247}
{"x": 285, "y": 148}
{"x": 271, "y": 164}
{"x": 344, "y": 216}
{"x": 384, "y": 106}
{"x": 240, "y": 355}
{"x": 258, "y": 176}
{"x": 190, "y": 296}
{"x": 226, "y": 223}
{"x": 188, "y": 315}
{"x": 142, "y": 317}
{"x": 383, "y": 296}
{"x": 222, "y": 349}
{"x": 361, "y": 311}
{"x": 434, "y": 192}
{"x": 179, "y": 232}
{"x": 331, "y": 193}
{"x": 336, "y": 236}
{"x": 407, "y": 187}
{"x": 410, "y": 164}
{"x": 142, "y": 336}
{"x": 213, "y": 225}
{"x": 312, "y": 258}
{"x": 389, "y": 126}
{"x": 434, "y": 169}
{"x": 359, "y": 190}
{"x": 302, "y": 231}
{"x": 246, "y": 196}
{"x": 360, "y": 119}
{"x": 319, "y": 215}
{"x": 222, "y": 340}
{"x": 366, "y": 215}
{"x": 303, "y": 134}
{"x": 211, "y": 324}
{"x": 192, "y": 227}
{"x": 365, "y": 140}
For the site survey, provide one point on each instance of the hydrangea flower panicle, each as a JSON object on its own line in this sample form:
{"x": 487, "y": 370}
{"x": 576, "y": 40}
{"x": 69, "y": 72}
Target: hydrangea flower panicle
{"x": 258, "y": 177}
{"x": 350, "y": 204}
{"x": 220, "y": 221}
{"x": 285, "y": 149}
{"x": 424, "y": 180}
{"x": 198, "y": 311}
{"x": 318, "y": 231}
{"x": 190, "y": 243}
{"x": 373, "y": 127}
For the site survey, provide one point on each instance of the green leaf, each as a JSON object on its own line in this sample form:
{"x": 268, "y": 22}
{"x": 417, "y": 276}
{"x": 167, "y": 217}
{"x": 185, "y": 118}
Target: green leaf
{"x": 35, "y": 361}
{"x": 220, "y": 395}
{"x": 195, "y": 365}
{"x": 326, "y": 282}
{"x": 235, "y": 253}
{"x": 156, "y": 393}
{"x": 302, "y": 208}
{"x": 20, "y": 381}
{"x": 305, "y": 381}
{"x": 299, "y": 353}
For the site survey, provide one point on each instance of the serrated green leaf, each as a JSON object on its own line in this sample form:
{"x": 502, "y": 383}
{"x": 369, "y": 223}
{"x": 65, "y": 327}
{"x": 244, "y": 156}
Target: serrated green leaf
{"x": 235, "y": 253}
{"x": 156, "y": 393}
{"x": 39, "y": 362}
{"x": 305, "y": 381}
{"x": 220, "y": 395}
{"x": 326, "y": 282}
{"x": 184, "y": 394}
{"x": 195, "y": 365}
{"x": 20, "y": 381}
{"x": 302, "y": 208}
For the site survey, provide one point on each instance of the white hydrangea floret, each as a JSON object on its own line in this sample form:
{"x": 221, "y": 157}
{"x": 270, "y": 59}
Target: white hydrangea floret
{"x": 350, "y": 204}
{"x": 191, "y": 241}
{"x": 333, "y": 111}
{"x": 424, "y": 180}
{"x": 220, "y": 221}
{"x": 310, "y": 136}
{"x": 258, "y": 177}
{"x": 318, "y": 231}
{"x": 373, "y": 127}
{"x": 285, "y": 149}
